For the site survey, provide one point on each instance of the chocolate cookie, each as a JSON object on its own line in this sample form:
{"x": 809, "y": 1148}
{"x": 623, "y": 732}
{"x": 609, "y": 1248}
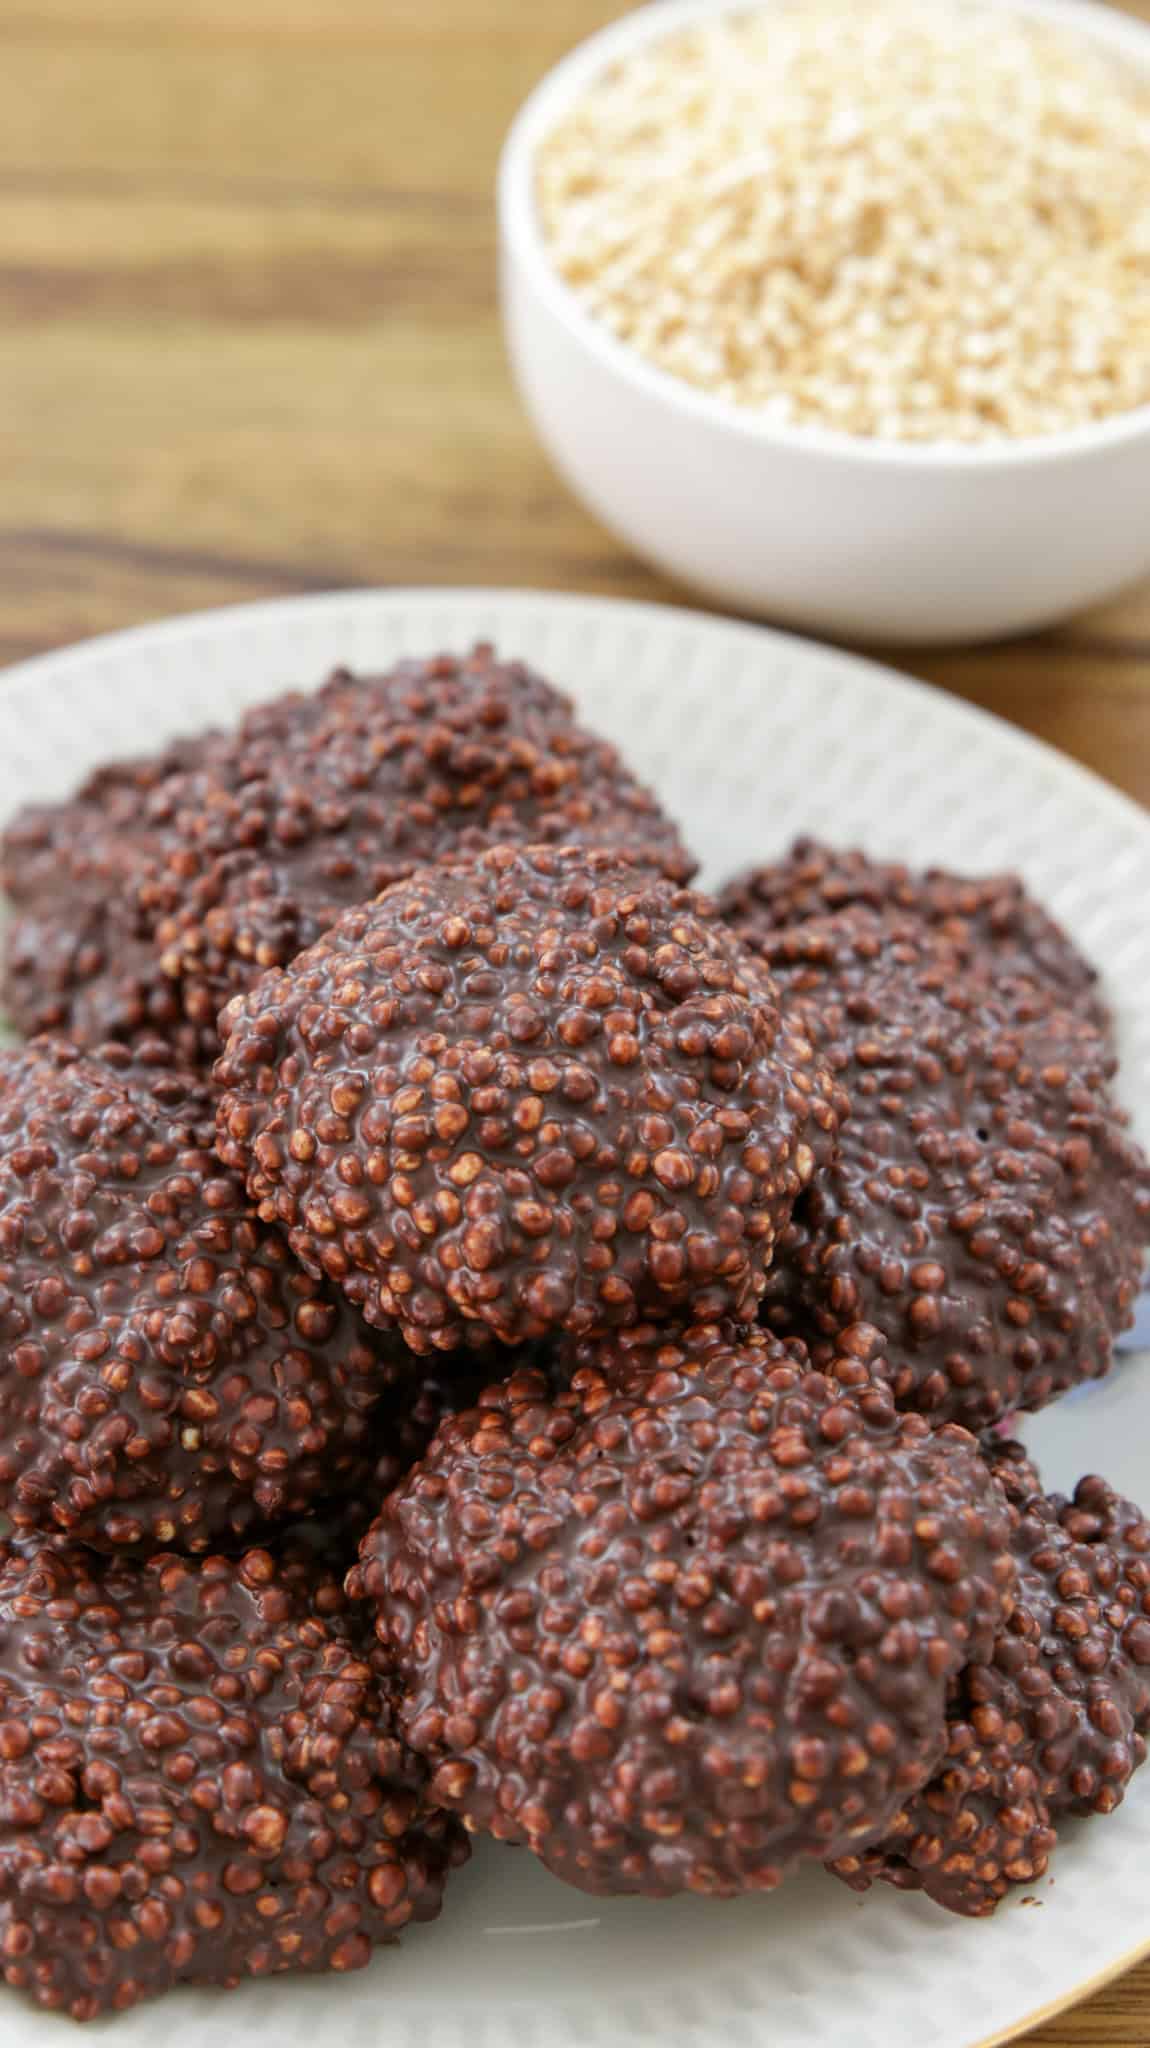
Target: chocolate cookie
{"x": 200, "y": 1779}
{"x": 542, "y": 1089}
{"x": 168, "y": 1376}
{"x": 168, "y": 884}
{"x": 432, "y": 760}
{"x": 1054, "y": 1723}
{"x": 986, "y": 1210}
{"x": 691, "y": 1620}
{"x": 80, "y": 956}
{"x": 992, "y": 916}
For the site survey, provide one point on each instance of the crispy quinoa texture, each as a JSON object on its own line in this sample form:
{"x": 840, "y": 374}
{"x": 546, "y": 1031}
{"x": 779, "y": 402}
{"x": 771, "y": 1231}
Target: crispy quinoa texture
{"x": 691, "y": 1620}
{"x": 987, "y": 1209}
{"x": 200, "y": 1779}
{"x": 169, "y": 1378}
{"x": 541, "y": 1090}
{"x": 1053, "y": 1723}
{"x": 992, "y": 917}
{"x": 166, "y": 885}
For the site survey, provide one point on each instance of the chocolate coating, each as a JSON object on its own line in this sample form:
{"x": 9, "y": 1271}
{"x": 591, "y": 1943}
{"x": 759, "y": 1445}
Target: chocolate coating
{"x": 402, "y": 1426}
{"x": 91, "y": 976}
{"x": 991, "y": 916}
{"x": 543, "y": 1089}
{"x": 169, "y": 884}
{"x": 987, "y": 1210}
{"x": 434, "y": 759}
{"x": 168, "y": 1377}
{"x": 80, "y": 958}
{"x": 691, "y": 1620}
{"x": 1054, "y": 1723}
{"x": 200, "y": 1780}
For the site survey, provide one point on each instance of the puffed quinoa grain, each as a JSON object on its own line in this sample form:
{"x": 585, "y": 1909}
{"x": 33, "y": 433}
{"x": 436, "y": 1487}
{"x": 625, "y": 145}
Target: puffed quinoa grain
{"x": 916, "y": 223}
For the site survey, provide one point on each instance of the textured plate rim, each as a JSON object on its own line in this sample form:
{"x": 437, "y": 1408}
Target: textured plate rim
{"x": 39, "y": 671}
{"x": 133, "y": 640}
{"x": 1043, "y": 2014}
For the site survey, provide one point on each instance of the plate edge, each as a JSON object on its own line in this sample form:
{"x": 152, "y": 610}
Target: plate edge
{"x": 251, "y": 612}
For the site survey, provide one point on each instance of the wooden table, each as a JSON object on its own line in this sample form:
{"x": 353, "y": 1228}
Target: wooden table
{"x": 249, "y": 345}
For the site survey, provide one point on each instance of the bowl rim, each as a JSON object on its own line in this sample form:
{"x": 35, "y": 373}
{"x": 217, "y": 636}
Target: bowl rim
{"x": 522, "y": 239}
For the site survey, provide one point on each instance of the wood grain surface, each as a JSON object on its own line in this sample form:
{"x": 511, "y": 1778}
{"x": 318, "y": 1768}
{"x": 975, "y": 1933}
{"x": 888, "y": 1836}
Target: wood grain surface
{"x": 249, "y": 345}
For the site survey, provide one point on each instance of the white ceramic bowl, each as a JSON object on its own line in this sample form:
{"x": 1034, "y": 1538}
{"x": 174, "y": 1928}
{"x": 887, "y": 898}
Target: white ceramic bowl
{"x": 860, "y": 538}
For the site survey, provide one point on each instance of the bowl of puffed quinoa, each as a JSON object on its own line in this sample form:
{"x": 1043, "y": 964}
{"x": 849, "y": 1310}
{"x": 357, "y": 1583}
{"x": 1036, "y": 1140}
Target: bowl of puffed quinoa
{"x": 838, "y": 311}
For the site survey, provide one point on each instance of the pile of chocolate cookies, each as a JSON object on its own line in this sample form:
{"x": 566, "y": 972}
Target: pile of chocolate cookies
{"x": 495, "y": 1341}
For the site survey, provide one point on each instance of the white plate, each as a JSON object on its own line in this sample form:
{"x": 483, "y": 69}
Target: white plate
{"x": 749, "y": 736}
